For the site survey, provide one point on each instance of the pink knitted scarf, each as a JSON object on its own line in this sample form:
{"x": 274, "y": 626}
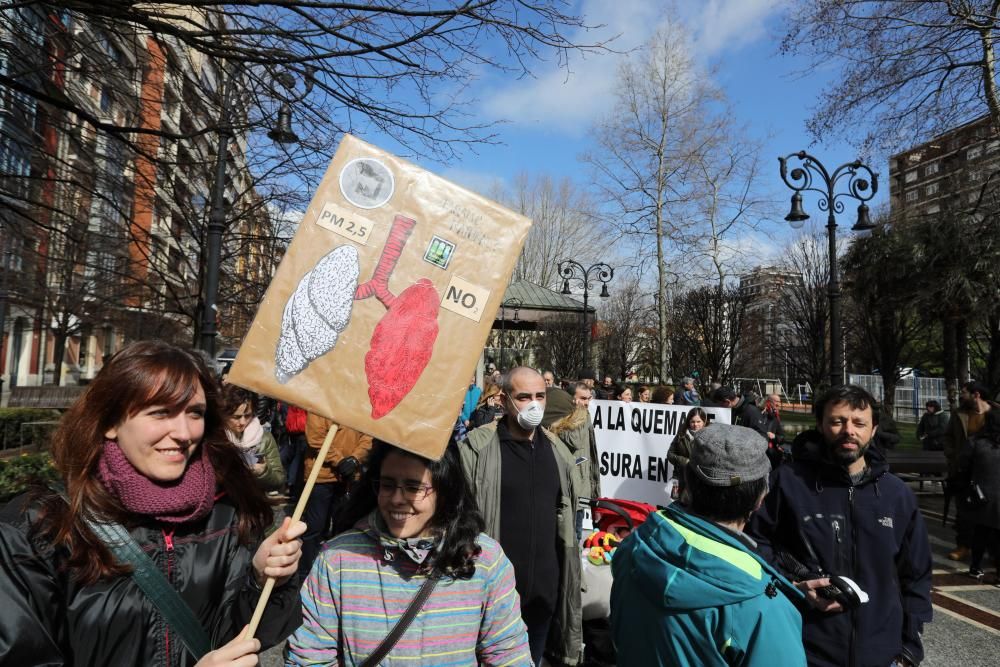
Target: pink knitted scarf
{"x": 186, "y": 499}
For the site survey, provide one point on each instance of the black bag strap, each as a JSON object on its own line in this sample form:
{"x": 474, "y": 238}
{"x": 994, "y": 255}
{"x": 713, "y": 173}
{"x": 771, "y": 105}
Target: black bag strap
{"x": 402, "y": 624}
{"x": 156, "y": 587}
{"x": 151, "y": 581}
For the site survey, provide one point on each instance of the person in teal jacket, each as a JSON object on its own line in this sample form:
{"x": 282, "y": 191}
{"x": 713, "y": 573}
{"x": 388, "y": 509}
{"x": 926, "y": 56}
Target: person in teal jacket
{"x": 688, "y": 588}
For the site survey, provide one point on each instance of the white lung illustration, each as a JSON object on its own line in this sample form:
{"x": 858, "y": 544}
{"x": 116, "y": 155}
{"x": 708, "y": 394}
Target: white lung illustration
{"x": 317, "y": 312}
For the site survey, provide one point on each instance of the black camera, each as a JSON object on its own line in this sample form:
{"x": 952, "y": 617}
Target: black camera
{"x": 844, "y": 591}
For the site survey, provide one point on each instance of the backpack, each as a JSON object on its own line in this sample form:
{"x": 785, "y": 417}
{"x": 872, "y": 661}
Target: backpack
{"x": 295, "y": 420}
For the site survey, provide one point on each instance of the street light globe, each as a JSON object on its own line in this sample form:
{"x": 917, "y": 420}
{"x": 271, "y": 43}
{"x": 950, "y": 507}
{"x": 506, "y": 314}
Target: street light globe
{"x": 796, "y": 224}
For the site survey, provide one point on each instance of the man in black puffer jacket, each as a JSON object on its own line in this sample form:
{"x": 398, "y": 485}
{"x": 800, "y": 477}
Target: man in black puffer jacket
{"x": 836, "y": 510}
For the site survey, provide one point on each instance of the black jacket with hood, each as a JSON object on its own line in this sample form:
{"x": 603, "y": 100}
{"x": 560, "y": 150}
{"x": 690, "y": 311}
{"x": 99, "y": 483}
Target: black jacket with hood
{"x": 815, "y": 522}
{"x": 46, "y": 618}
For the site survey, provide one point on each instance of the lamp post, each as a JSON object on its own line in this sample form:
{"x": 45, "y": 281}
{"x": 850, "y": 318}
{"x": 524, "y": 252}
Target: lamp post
{"x": 281, "y": 134}
{"x": 515, "y": 303}
{"x": 600, "y": 272}
{"x": 813, "y": 176}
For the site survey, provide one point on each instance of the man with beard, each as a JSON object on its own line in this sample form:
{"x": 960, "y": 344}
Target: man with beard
{"x": 836, "y": 510}
{"x": 966, "y": 422}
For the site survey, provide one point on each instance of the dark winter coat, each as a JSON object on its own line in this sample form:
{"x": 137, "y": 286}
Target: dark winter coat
{"x": 46, "y": 618}
{"x": 815, "y": 522}
{"x": 979, "y": 462}
{"x": 746, "y": 413}
{"x": 931, "y": 430}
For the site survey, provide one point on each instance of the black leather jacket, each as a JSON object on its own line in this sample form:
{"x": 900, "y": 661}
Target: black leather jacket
{"x": 46, "y": 618}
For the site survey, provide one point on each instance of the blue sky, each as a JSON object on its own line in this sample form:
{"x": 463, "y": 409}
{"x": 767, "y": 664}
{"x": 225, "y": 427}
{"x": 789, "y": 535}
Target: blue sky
{"x": 546, "y": 119}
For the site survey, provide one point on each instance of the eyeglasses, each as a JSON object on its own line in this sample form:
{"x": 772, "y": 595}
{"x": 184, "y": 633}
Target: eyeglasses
{"x": 412, "y": 491}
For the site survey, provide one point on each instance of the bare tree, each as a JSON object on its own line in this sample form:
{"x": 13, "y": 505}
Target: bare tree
{"x": 909, "y": 68}
{"x": 565, "y": 226}
{"x": 710, "y": 322}
{"x": 626, "y": 330}
{"x": 805, "y": 311}
{"x": 560, "y": 345}
{"x": 668, "y": 168}
{"x": 159, "y": 83}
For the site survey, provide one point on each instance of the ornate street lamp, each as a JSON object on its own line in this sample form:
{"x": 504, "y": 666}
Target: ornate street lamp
{"x": 601, "y": 272}
{"x": 516, "y": 304}
{"x": 861, "y": 184}
{"x": 283, "y": 134}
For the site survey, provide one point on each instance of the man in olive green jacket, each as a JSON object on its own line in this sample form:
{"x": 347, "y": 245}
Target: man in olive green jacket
{"x": 519, "y": 440}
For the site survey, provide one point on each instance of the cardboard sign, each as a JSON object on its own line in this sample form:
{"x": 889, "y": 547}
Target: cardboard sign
{"x": 632, "y": 444}
{"x": 383, "y": 302}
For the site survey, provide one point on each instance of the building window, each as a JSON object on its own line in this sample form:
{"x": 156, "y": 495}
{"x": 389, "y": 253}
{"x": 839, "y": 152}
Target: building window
{"x": 932, "y": 209}
{"x": 975, "y": 175}
{"x": 931, "y": 189}
{"x": 974, "y": 152}
{"x": 912, "y": 195}
{"x": 911, "y": 176}
{"x": 932, "y": 168}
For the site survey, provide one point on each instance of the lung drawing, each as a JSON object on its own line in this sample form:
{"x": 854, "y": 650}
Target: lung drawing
{"x": 317, "y": 312}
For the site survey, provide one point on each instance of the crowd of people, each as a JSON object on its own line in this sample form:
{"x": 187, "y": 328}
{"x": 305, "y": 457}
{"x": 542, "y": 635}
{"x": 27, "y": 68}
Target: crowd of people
{"x": 153, "y": 545}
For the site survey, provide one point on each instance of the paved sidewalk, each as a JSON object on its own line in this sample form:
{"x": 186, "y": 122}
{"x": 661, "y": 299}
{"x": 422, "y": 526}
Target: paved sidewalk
{"x": 966, "y": 627}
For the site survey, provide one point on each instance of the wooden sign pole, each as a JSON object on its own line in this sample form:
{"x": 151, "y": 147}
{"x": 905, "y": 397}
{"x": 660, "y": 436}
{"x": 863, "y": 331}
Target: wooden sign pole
{"x": 258, "y": 612}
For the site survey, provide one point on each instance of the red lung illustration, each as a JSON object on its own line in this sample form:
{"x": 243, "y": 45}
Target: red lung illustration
{"x": 403, "y": 340}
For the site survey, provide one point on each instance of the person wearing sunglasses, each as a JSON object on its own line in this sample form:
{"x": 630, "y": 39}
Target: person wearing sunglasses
{"x": 411, "y": 527}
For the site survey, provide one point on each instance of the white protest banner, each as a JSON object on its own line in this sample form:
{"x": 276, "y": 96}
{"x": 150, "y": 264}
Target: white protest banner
{"x": 632, "y": 444}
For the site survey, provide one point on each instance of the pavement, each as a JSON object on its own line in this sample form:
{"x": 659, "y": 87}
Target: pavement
{"x": 966, "y": 627}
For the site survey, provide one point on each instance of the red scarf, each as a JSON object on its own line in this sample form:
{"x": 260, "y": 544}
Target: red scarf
{"x": 189, "y": 498}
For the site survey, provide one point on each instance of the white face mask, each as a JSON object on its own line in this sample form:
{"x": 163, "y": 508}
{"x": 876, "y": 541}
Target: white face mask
{"x": 531, "y": 416}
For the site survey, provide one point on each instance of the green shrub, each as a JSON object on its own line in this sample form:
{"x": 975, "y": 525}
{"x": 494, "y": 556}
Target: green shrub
{"x": 18, "y": 472}
{"x": 19, "y": 427}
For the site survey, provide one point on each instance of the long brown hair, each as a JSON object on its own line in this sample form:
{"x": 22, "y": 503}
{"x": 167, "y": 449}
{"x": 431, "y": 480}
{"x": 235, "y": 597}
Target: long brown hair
{"x": 142, "y": 374}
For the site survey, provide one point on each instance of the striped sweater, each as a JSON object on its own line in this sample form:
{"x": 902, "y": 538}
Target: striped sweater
{"x": 354, "y": 596}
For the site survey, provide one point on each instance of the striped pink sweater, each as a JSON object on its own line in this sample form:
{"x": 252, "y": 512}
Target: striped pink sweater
{"x": 353, "y": 597}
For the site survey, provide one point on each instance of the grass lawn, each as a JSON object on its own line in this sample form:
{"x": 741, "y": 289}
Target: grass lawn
{"x": 795, "y": 422}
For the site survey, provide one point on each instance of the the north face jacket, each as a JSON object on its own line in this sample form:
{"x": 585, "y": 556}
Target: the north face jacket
{"x": 815, "y": 522}
{"x": 688, "y": 592}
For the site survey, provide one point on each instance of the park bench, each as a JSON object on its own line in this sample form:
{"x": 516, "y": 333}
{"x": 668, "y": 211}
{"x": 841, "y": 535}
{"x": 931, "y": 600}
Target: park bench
{"x": 917, "y": 465}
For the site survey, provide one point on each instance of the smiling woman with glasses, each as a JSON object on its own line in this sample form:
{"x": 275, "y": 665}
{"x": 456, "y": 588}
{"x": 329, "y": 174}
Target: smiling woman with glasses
{"x": 411, "y": 520}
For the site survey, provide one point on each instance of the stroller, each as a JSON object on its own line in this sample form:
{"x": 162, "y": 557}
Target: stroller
{"x": 618, "y": 517}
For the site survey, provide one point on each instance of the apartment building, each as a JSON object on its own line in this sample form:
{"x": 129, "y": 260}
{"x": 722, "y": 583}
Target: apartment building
{"x": 946, "y": 173}
{"x": 104, "y": 198}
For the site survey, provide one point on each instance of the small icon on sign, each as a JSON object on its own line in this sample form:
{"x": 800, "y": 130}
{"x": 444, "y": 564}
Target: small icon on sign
{"x": 439, "y": 252}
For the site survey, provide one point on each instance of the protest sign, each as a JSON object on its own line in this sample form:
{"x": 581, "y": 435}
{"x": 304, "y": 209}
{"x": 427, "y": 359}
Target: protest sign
{"x": 381, "y": 306}
{"x": 632, "y": 444}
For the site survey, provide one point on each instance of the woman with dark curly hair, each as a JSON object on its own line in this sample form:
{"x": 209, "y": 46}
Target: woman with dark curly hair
{"x": 409, "y": 520}
{"x": 144, "y": 448}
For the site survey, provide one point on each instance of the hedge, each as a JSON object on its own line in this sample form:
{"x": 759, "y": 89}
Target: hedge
{"x": 18, "y": 472}
{"x": 15, "y": 431}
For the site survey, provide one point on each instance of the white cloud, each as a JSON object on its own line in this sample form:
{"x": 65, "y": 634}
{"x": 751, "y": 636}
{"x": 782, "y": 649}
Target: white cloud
{"x": 569, "y": 101}
{"x": 729, "y": 24}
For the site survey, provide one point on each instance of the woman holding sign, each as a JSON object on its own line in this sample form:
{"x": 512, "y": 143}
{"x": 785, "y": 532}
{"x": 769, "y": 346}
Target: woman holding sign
{"x": 415, "y": 551}
{"x": 149, "y": 547}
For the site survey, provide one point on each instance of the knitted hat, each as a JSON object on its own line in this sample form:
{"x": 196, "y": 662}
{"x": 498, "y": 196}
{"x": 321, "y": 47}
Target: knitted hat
{"x": 724, "y": 455}
{"x": 558, "y": 404}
